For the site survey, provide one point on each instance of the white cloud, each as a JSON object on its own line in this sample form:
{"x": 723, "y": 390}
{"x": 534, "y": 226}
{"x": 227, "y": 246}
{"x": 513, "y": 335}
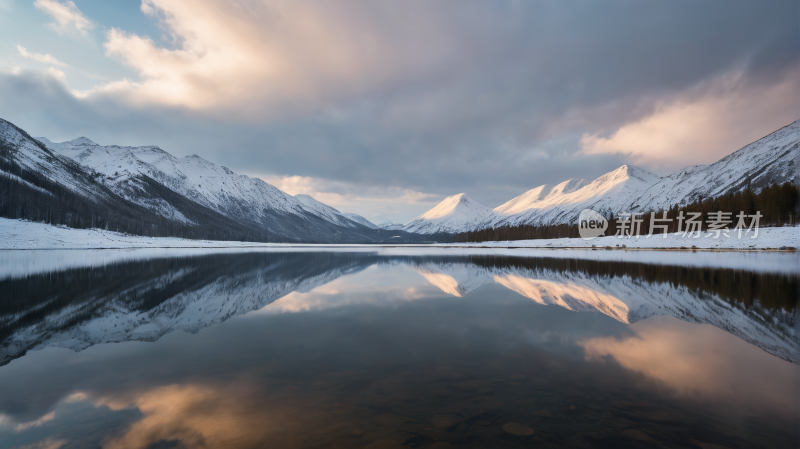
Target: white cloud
{"x": 67, "y": 18}
{"x": 21, "y": 427}
{"x": 272, "y": 55}
{"x": 39, "y": 57}
{"x": 56, "y": 73}
{"x": 700, "y": 128}
{"x": 376, "y": 203}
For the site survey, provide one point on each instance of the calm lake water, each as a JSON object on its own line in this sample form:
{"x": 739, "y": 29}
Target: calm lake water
{"x": 398, "y": 349}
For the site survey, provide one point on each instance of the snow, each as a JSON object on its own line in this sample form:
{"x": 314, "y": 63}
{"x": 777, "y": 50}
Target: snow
{"x": 453, "y": 214}
{"x": 20, "y": 234}
{"x": 360, "y": 220}
{"x": 772, "y": 159}
{"x": 323, "y": 210}
{"x": 543, "y": 205}
{"x": 22, "y": 181}
{"x": 28, "y": 154}
{"x": 538, "y": 197}
{"x": 390, "y": 225}
{"x": 210, "y": 185}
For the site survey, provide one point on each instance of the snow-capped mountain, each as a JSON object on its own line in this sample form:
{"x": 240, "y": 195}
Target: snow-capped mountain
{"x": 390, "y": 225}
{"x": 327, "y": 212}
{"x": 770, "y": 160}
{"x": 20, "y": 149}
{"x": 361, "y": 220}
{"x": 540, "y": 196}
{"x": 42, "y": 185}
{"x": 126, "y": 171}
{"x": 148, "y": 191}
{"x": 608, "y": 193}
{"x": 454, "y": 214}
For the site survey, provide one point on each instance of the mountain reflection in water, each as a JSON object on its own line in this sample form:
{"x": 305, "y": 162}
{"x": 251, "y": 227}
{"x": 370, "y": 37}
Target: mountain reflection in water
{"x": 360, "y": 349}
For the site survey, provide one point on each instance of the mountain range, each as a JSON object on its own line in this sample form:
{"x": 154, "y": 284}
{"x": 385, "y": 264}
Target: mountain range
{"x": 147, "y": 191}
{"x": 770, "y": 160}
{"x": 146, "y": 188}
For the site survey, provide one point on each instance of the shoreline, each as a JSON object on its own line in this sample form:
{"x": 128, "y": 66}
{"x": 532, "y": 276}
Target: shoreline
{"x": 18, "y": 235}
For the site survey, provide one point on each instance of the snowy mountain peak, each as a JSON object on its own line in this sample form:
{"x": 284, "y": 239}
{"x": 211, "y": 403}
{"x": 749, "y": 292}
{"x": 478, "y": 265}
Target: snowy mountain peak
{"x": 82, "y": 141}
{"x": 538, "y": 195}
{"x": 453, "y": 214}
{"x": 390, "y": 225}
{"x": 773, "y": 159}
{"x": 569, "y": 186}
{"x": 309, "y": 201}
{"x": 627, "y": 172}
{"x": 455, "y": 204}
{"x": 329, "y": 213}
{"x": 361, "y": 220}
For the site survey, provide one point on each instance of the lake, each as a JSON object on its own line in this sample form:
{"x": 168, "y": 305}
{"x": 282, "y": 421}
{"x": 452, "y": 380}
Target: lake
{"x": 398, "y": 348}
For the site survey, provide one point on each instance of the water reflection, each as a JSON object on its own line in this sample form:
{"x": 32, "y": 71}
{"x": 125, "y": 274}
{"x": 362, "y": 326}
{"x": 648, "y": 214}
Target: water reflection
{"x": 364, "y": 350}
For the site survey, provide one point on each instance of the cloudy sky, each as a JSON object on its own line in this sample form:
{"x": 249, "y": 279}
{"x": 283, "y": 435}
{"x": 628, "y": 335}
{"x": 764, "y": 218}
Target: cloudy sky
{"x": 384, "y": 108}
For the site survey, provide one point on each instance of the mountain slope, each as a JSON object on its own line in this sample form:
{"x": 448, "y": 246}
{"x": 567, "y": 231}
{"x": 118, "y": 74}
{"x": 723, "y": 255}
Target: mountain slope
{"x": 390, "y": 225}
{"x": 327, "y": 212}
{"x": 171, "y": 186}
{"x": 361, "y": 220}
{"x": 610, "y": 192}
{"x": 41, "y": 185}
{"x": 773, "y": 159}
{"x": 540, "y": 196}
{"x": 454, "y": 214}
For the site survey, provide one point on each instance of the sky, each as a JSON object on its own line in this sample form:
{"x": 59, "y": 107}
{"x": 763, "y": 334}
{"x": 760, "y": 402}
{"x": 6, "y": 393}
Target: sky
{"x": 384, "y": 108}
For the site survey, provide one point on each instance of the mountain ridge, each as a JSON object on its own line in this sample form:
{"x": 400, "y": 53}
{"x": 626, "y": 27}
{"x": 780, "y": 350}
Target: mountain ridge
{"x": 772, "y": 159}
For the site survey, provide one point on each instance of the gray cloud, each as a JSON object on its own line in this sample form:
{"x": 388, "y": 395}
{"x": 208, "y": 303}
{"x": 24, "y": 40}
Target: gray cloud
{"x": 490, "y": 98}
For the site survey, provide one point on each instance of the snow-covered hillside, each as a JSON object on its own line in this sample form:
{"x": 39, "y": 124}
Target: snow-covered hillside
{"x": 361, "y": 220}
{"x": 540, "y": 196}
{"x": 211, "y": 185}
{"x": 390, "y": 225}
{"x": 176, "y": 193}
{"x": 29, "y": 154}
{"x": 327, "y": 212}
{"x": 454, "y": 214}
{"x": 608, "y": 193}
{"x": 770, "y": 160}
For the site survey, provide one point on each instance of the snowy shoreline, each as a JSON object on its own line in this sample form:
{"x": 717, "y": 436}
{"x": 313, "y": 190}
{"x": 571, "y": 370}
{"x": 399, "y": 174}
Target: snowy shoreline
{"x": 24, "y": 235}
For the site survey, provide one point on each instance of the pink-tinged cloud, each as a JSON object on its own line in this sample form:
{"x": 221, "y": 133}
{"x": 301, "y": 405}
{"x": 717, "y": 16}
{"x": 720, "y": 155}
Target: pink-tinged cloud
{"x": 278, "y": 54}
{"x": 702, "y": 127}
